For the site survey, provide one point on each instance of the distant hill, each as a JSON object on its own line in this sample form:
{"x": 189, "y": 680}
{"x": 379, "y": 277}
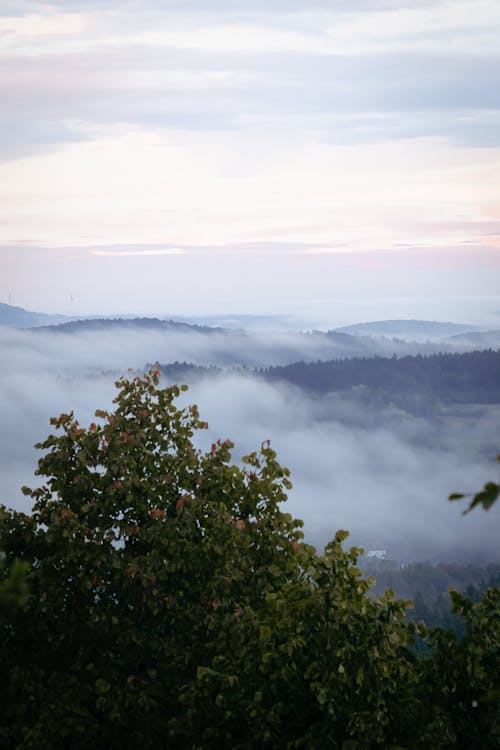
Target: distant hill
{"x": 479, "y": 340}
{"x": 18, "y": 317}
{"x": 239, "y": 347}
{"x": 223, "y": 347}
{"x": 412, "y": 330}
{"x": 241, "y": 321}
{"x": 106, "y": 324}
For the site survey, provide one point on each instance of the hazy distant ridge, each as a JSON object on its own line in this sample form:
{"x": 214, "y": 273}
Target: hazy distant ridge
{"x": 18, "y": 317}
{"x": 413, "y": 330}
{"x": 107, "y": 324}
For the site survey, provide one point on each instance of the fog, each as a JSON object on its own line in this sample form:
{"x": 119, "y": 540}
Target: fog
{"x": 119, "y": 344}
{"x": 384, "y": 477}
{"x": 116, "y": 347}
{"x": 379, "y": 473}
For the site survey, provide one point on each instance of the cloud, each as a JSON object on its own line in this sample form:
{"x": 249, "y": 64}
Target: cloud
{"x": 177, "y": 188}
{"x": 349, "y": 98}
{"x": 41, "y": 24}
{"x": 381, "y": 474}
{"x": 327, "y": 124}
{"x": 111, "y": 253}
{"x": 421, "y": 69}
{"x": 18, "y": 7}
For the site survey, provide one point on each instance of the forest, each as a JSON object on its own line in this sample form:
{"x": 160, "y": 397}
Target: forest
{"x": 465, "y": 378}
{"x": 158, "y": 595}
{"x": 458, "y": 378}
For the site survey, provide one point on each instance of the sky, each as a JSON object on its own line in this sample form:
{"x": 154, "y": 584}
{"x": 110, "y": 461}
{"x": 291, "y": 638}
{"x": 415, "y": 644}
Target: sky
{"x": 336, "y": 160}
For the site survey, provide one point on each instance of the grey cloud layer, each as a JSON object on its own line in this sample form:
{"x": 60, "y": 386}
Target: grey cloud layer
{"x": 77, "y": 85}
{"x": 15, "y": 7}
{"x": 350, "y": 97}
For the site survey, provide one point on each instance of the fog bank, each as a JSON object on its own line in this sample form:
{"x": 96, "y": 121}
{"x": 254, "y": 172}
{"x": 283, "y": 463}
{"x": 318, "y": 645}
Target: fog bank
{"x": 379, "y": 473}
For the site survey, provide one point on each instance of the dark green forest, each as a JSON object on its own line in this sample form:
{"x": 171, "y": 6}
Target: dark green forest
{"x": 418, "y": 384}
{"x": 159, "y": 596}
{"x": 473, "y": 377}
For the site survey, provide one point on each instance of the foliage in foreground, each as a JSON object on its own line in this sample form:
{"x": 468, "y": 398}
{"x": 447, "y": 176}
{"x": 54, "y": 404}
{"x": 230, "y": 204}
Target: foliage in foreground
{"x": 165, "y": 600}
{"x": 485, "y": 497}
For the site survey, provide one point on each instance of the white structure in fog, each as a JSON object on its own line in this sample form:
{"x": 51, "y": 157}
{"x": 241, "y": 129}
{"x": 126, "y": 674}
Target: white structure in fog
{"x": 376, "y": 554}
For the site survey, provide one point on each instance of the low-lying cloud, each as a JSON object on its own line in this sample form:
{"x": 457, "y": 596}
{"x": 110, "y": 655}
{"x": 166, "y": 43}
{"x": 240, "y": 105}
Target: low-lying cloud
{"x": 385, "y": 476}
{"x": 381, "y": 474}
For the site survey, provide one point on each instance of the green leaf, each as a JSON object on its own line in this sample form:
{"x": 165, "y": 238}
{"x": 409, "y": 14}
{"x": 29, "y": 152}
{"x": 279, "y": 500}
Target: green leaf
{"x": 102, "y": 686}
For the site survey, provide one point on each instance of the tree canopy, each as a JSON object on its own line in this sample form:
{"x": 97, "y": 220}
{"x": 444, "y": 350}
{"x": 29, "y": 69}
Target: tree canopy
{"x": 161, "y": 597}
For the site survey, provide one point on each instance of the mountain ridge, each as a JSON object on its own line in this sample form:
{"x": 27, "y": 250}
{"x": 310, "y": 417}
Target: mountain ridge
{"x": 410, "y": 327}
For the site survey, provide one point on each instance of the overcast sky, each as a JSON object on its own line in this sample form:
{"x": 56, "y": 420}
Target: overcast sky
{"x": 336, "y": 159}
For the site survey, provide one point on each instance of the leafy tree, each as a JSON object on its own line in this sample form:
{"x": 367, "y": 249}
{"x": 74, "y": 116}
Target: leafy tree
{"x": 172, "y": 602}
{"x": 13, "y": 587}
{"x": 169, "y": 602}
{"x": 459, "y": 685}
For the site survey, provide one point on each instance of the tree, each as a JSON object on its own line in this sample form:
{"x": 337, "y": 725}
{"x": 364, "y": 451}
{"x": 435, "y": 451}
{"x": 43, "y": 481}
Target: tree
{"x": 170, "y": 602}
{"x": 459, "y": 686}
{"x": 13, "y": 587}
{"x": 173, "y": 603}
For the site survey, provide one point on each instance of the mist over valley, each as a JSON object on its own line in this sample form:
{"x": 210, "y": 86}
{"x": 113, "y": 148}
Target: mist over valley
{"x": 376, "y": 431}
